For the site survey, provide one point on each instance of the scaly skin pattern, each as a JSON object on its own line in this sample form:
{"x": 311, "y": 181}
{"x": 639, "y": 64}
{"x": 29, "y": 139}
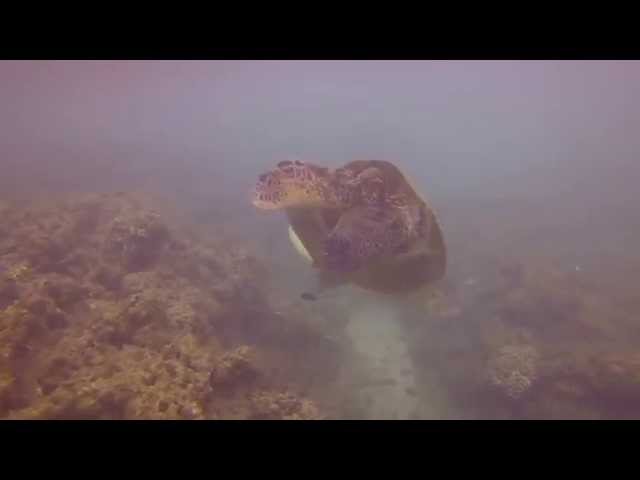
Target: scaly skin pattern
{"x": 300, "y": 185}
{"x": 295, "y": 185}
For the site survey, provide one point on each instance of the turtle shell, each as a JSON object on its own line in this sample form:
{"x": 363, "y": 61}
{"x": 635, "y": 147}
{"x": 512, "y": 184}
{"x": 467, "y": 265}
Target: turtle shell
{"x": 424, "y": 264}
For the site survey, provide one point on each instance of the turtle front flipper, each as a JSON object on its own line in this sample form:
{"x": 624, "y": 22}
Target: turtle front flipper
{"x": 308, "y": 228}
{"x": 363, "y": 234}
{"x": 307, "y": 231}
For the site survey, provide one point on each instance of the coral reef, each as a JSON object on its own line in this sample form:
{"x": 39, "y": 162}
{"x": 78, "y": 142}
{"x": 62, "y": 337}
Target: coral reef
{"x": 282, "y": 406}
{"x": 559, "y": 304}
{"x": 232, "y": 367}
{"x": 513, "y": 369}
{"x": 615, "y": 377}
{"x": 114, "y": 306}
{"x": 111, "y": 308}
{"x": 569, "y": 333}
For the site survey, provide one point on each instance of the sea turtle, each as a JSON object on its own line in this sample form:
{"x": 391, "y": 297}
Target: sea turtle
{"x": 362, "y": 223}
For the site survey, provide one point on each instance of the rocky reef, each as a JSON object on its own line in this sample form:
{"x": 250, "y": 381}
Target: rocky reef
{"x": 513, "y": 369}
{"x": 535, "y": 339}
{"x": 117, "y": 306}
{"x": 112, "y": 307}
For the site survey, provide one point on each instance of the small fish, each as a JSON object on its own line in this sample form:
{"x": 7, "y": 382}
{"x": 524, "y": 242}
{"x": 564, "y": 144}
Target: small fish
{"x": 309, "y": 296}
{"x": 317, "y": 296}
{"x": 411, "y": 391}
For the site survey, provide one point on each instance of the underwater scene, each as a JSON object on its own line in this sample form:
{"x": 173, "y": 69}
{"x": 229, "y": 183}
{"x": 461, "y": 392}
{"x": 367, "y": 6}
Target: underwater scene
{"x": 319, "y": 240}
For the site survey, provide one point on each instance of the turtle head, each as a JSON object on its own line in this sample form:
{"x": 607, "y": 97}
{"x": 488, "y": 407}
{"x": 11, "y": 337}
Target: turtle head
{"x": 293, "y": 185}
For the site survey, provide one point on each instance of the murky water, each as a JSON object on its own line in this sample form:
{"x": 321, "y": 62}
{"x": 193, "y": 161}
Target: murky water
{"x": 138, "y": 281}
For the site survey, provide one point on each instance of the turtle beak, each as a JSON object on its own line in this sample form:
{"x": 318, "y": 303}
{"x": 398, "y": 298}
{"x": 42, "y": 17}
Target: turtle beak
{"x": 253, "y": 196}
{"x": 258, "y": 203}
{"x": 260, "y": 200}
